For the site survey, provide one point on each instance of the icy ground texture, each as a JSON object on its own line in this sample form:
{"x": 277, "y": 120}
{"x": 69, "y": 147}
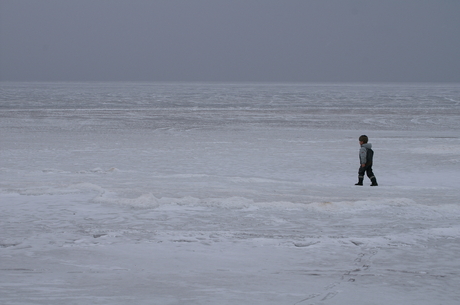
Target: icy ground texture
{"x": 228, "y": 194}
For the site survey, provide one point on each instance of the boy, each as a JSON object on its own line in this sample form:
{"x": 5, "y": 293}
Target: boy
{"x": 366, "y": 155}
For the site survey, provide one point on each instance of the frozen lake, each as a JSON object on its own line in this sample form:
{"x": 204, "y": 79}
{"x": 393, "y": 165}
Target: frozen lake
{"x": 151, "y": 193}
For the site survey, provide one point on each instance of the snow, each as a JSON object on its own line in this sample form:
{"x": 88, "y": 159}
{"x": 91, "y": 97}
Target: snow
{"x": 228, "y": 194}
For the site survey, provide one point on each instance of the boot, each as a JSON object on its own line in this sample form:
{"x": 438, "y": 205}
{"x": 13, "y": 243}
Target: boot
{"x": 374, "y": 181}
{"x": 360, "y": 181}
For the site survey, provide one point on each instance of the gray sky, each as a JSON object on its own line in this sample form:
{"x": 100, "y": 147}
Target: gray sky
{"x": 230, "y": 40}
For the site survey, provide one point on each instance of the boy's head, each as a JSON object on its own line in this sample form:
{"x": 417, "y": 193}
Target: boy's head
{"x": 363, "y": 139}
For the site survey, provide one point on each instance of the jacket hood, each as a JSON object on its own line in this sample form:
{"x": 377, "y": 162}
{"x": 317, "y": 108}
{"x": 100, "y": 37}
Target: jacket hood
{"x": 367, "y": 145}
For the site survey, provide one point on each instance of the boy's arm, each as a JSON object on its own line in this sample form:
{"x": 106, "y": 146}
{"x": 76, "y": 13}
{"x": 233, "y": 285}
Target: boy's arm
{"x": 363, "y": 156}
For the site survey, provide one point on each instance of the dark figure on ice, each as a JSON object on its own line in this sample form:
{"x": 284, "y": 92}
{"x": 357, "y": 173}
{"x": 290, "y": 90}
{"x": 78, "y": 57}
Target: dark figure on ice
{"x": 366, "y": 155}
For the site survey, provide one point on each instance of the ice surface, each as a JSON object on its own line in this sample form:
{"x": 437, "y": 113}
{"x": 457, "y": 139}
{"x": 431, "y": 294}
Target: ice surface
{"x": 117, "y": 193}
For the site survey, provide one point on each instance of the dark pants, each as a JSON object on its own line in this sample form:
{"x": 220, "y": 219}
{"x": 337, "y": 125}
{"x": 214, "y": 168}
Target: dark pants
{"x": 366, "y": 170}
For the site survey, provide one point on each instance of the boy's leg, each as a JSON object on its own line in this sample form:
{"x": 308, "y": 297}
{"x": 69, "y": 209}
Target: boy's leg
{"x": 361, "y": 172}
{"x": 371, "y": 175}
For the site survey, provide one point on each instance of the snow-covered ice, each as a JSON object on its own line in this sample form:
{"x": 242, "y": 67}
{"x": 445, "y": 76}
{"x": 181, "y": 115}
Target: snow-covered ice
{"x": 144, "y": 193}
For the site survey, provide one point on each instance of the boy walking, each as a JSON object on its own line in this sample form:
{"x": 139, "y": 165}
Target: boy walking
{"x": 366, "y": 155}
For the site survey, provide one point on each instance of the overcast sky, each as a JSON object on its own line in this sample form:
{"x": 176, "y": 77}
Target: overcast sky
{"x": 230, "y": 40}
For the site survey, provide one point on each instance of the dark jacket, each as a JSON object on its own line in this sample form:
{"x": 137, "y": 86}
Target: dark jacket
{"x": 366, "y": 154}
